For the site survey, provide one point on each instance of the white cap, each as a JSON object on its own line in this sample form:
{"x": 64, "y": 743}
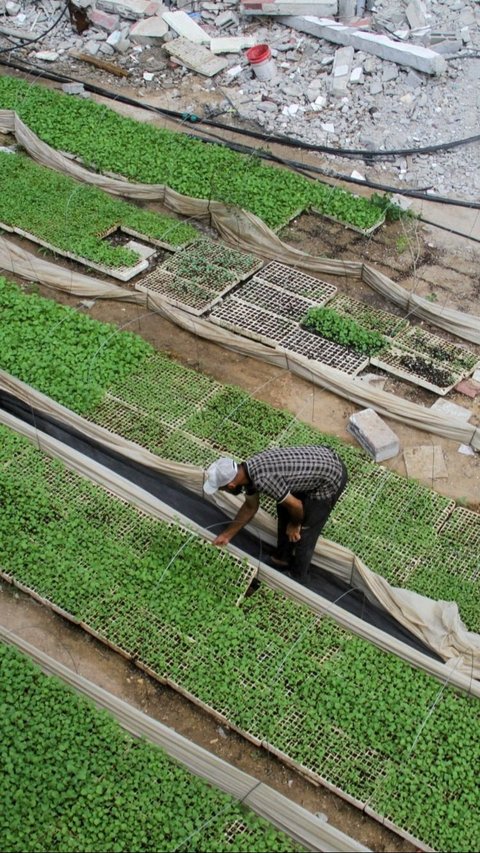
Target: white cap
{"x": 220, "y": 473}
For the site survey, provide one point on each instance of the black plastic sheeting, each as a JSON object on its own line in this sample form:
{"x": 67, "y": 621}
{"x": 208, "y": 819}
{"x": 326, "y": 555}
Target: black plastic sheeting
{"x": 208, "y": 516}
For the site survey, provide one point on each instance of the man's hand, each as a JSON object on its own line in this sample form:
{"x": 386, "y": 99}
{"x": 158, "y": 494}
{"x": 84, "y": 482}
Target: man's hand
{"x": 294, "y": 532}
{"x": 222, "y": 539}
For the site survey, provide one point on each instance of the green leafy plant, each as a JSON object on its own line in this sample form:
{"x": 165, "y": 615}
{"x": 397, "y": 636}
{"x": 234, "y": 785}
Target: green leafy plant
{"x": 108, "y": 142}
{"x": 343, "y": 330}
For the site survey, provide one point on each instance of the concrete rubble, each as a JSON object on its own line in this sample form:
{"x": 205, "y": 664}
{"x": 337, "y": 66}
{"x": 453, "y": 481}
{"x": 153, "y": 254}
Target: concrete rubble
{"x": 378, "y": 75}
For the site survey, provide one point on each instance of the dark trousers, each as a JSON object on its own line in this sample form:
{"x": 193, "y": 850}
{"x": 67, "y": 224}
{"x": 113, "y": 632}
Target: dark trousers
{"x": 298, "y": 555}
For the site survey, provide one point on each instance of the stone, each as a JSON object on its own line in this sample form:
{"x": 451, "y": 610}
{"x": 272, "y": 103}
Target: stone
{"x": 267, "y": 107}
{"x": 12, "y": 8}
{"x": 389, "y": 72}
{"x": 149, "y": 31}
{"x": 73, "y": 88}
{"x": 416, "y": 14}
{"x": 374, "y": 435}
{"x": 314, "y": 89}
{"x": 104, "y": 20}
{"x": 91, "y": 47}
{"x": 185, "y": 27}
{"x": 376, "y": 87}
{"x": 47, "y": 55}
{"x": 106, "y": 49}
{"x": 114, "y": 38}
{"x": 342, "y": 65}
{"x": 413, "y": 80}
{"x": 425, "y": 463}
{"x": 356, "y": 75}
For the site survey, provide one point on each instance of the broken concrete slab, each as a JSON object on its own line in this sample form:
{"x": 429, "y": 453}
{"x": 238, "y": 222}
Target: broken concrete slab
{"x": 104, "y": 20}
{"x": 133, "y": 9}
{"x": 342, "y": 65}
{"x": 196, "y": 57}
{"x": 374, "y": 435}
{"x": 425, "y": 463}
{"x": 149, "y": 31}
{"x": 185, "y": 27}
{"x": 412, "y": 56}
{"x": 451, "y": 410}
{"x": 416, "y": 14}
{"x": 231, "y": 44}
{"x": 323, "y": 8}
{"x": 47, "y": 55}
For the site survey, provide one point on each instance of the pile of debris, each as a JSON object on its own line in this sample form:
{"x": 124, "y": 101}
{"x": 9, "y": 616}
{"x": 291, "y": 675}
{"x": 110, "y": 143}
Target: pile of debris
{"x": 350, "y": 74}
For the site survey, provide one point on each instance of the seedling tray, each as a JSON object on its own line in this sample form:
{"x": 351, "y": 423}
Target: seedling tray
{"x": 163, "y": 244}
{"x": 313, "y": 347}
{"x": 294, "y": 281}
{"x": 371, "y": 318}
{"x": 250, "y": 322}
{"x": 240, "y": 263}
{"x": 456, "y": 359}
{"x": 462, "y": 526}
{"x": 392, "y": 361}
{"x": 179, "y": 292}
{"x": 364, "y": 231}
{"x": 122, "y": 273}
{"x": 274, "y": 299}
{"x": 191, "y": 265}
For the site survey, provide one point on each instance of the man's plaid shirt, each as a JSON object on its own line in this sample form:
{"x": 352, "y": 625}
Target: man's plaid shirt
{"x": 312, "y": 470}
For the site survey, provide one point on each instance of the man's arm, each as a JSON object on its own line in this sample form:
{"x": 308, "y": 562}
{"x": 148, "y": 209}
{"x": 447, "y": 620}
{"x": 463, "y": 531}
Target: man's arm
{"x": 243, "y": 517}
{"x": 294, "y": 508}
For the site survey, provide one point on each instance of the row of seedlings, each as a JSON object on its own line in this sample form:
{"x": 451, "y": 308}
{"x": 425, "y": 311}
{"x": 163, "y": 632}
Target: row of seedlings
{"x": 71, "y": 218}
{"x": 108, "y": 142}
{"x": 344, "y": 712}
{"x": 73, "y": 779}
{"x": 118, "y": 381}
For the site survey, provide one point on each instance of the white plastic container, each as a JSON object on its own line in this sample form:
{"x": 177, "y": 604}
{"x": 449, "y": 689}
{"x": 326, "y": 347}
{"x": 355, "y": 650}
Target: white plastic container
{"x": 260, "y": 58}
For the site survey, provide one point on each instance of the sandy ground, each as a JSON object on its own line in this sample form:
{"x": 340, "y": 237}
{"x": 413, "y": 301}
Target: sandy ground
{"x": 427, "y": 260}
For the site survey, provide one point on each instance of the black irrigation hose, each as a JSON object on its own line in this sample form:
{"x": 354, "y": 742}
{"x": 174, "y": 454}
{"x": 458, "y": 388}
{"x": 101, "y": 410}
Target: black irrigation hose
{"x": 276, "y": 138}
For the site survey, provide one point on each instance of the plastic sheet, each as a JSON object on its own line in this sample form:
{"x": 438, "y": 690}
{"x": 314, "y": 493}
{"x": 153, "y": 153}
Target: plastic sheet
{"x": 437, "y": 624}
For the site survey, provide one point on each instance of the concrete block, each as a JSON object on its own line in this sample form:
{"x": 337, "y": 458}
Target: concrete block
{"x": 104, "y": 20}
{"x": 227, "y": 19}
{"x": 231, "y": 44}
{"x": 149, "y": 31}
{"x": 196, "y": 57}
{"x": 342, "y": 66}
{"x": 451, "y": 410}
{"x": 412, "y": 56}
{"x": 347, "y": 9}
{"x": 290, "y": 7}
{"x": 374, "y": 435}
{"x": 185, "y": 27}
{"x": 425, "y": 463}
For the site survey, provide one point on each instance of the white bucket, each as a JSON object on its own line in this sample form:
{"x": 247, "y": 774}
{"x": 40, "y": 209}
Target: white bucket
{"x": 260, "y": 58}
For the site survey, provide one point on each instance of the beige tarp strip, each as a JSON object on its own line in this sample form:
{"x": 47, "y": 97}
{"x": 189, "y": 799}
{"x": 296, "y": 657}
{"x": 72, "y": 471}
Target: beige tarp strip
{"x": 17, "y": 260}
{"x": 436, "y": 623}
{"x": 297, "y": 822}
{"x": 246, "y": 231}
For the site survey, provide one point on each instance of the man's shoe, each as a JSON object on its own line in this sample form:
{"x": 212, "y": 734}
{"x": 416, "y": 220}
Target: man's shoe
{"x": 278, "y": 564}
